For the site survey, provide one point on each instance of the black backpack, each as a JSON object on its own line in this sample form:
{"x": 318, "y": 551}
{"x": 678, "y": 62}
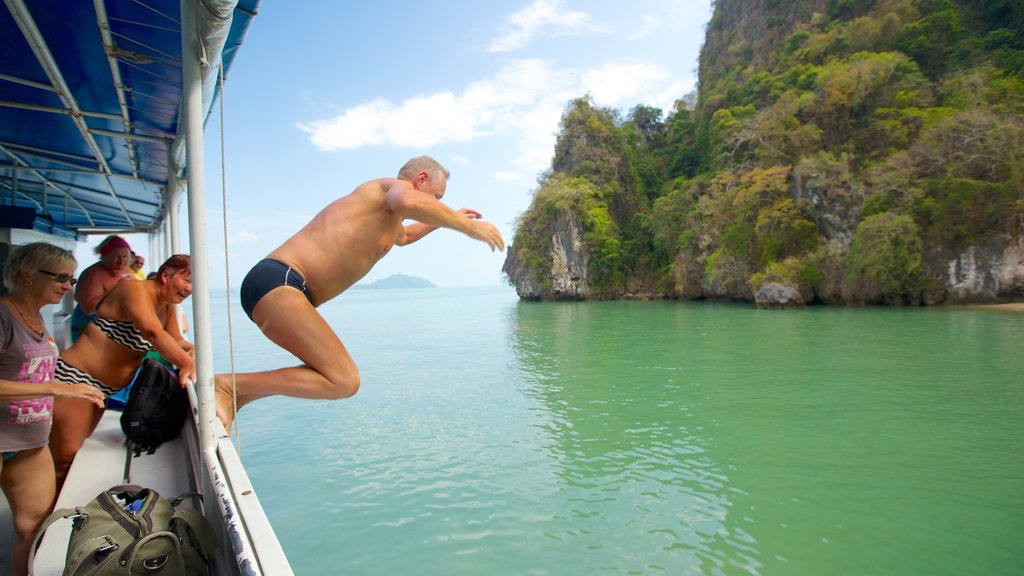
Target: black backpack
{"x": 157, "y": 408}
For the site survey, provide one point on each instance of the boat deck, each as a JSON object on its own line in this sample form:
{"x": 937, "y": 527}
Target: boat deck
{"x": 248, "y": 542}
{"x": 98, "y": 466}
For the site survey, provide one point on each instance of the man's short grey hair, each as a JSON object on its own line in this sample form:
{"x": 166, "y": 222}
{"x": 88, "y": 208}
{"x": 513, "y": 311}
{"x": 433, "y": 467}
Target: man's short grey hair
{"x": 423, "y": 164}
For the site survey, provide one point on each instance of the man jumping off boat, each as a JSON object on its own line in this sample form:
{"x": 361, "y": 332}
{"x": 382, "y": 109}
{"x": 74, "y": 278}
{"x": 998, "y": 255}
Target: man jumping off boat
{"x": 330, "y": 254}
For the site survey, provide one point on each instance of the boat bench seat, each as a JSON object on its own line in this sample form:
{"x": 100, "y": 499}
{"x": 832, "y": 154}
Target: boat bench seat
{"x": 98, "y": 466}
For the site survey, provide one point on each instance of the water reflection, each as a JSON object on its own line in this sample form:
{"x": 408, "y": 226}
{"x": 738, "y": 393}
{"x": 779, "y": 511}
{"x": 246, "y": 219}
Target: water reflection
{"x": 621, "y": 419}
{"x": 660, "y": 437}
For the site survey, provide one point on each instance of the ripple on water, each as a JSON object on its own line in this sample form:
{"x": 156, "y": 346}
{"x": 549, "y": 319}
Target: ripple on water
{"x": 658, "y": 438}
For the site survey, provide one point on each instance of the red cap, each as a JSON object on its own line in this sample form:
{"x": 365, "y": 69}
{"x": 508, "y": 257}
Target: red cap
{"x": 113, "y": 243}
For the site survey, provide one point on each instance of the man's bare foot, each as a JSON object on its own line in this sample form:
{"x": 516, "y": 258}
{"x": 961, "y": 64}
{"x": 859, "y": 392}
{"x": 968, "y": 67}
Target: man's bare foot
{"x": 224, "y": 399}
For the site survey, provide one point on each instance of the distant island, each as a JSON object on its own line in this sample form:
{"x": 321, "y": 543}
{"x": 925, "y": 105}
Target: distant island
{"x": 396, "y": 281}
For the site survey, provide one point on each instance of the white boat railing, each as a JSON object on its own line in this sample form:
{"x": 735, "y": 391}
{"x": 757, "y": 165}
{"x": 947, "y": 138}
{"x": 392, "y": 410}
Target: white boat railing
{"x": 245, "y": 525}
{"x": 204, "y": 459}
{"x": 249, "y": 545}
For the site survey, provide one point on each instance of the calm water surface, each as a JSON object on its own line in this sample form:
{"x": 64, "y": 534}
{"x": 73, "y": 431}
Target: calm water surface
{"x": 492, "y": 436}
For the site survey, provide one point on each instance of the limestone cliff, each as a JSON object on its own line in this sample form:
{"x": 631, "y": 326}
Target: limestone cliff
{"x": 838, "y": 152}
{"x": 566, "y": 279}
{"x": 988, "y": 273}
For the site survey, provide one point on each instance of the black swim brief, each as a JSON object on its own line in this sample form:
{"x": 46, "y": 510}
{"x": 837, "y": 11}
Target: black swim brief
{"x": 266, "y": 275}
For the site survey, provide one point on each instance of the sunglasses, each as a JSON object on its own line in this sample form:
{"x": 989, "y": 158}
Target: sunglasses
{"x": 62, "y": 278}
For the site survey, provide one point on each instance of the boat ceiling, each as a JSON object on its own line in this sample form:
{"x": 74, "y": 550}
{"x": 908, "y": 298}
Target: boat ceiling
{"x": 90, "y": 101}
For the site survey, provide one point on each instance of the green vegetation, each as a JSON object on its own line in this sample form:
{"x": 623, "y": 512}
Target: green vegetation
{"x": 839, "y": 152}
{"x": 885, "y": 262}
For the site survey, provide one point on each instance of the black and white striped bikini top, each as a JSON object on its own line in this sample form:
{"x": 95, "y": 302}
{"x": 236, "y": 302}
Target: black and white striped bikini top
{"x": 124, "y": 333}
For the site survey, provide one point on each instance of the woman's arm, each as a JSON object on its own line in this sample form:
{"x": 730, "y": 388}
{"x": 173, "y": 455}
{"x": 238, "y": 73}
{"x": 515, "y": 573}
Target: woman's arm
{"x": 172, "y": 325}
{"x": 140, "y": 306}
{"x": 11, "y": 391}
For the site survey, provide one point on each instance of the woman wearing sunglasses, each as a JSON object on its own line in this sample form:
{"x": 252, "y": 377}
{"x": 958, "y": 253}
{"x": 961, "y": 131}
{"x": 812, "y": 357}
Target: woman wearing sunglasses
{"x": 36, "y": 275}
{"x": 133, "y": 318}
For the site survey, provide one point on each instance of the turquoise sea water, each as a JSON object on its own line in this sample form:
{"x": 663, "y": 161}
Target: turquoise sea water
{"x": 493, "y": 436}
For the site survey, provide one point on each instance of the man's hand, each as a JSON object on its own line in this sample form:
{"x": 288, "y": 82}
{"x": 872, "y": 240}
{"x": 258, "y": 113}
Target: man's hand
{"x": 483, "y": 231}
{"x": 486, "y": 232}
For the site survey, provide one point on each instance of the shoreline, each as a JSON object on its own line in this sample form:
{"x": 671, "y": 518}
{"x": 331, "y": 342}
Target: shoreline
{"x": 1009, "y": 307}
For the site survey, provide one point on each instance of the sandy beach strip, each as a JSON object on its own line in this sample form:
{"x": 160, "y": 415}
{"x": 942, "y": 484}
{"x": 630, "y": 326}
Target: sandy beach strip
{"x": 1010, "y": 307}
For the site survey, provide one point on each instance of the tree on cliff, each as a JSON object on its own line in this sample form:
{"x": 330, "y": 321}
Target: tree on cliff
{"x": 849, "y": 148}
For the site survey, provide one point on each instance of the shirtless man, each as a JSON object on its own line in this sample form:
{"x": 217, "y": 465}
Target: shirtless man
{"x": 330, "y": 254}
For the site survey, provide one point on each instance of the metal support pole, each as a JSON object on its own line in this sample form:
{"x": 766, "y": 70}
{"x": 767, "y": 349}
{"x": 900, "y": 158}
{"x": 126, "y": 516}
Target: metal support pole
{"x": 172, "y": 195}
{"x": 154, "y": 260}
{"x": 173, "y": 200}
{"x": 167, "y": 242}
{"x": 191, "y": 50}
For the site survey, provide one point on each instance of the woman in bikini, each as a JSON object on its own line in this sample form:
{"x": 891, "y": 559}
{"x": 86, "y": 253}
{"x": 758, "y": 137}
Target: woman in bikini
{"x": 36, "y": 274}
{"x": 136, "y": 316}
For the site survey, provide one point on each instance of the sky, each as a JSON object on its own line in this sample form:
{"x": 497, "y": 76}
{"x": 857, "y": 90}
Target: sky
{"x": 325, "y": 95}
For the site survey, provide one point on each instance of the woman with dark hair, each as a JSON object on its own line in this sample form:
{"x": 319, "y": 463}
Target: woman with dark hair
{"x": 36, "y": 275}
{"x": 132, "y": 319}
{"x": 96, "y": 280}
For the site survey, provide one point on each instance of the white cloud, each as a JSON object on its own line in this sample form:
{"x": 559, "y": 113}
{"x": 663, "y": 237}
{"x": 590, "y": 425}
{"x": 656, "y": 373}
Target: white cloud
{"x": 525, "y": 99}
{"x": 420, "y": 121}
{"x": 651, "y": 24}
{"x": 459, "y": 159}
{"x": 242, "y": 237}
{"x": 543, "y": 18}
{"x": 255, "y": 229}
{"x": 617, "y": 84}
{"x": 508, "y": 176}
{"x": 666, "y": 98}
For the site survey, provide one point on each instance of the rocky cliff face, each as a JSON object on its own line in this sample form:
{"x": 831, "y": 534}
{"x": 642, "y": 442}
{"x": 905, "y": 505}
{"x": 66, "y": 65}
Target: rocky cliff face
{"x": 749, "y": 29}
{"x": 755, "y": 50}
{"x": 994, "y": 272}
{"x": 990, "y": 273}
{"x": 567, "y": 277}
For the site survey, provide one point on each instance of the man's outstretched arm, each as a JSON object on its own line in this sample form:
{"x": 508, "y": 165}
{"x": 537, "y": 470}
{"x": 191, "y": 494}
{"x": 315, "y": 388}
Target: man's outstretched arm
{"x": 418, "y": 230}
{"x": 426, "y": 210}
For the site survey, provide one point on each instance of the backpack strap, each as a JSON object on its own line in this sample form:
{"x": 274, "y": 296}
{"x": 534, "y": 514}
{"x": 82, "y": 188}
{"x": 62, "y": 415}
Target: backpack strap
{"x": 126, "y": 490}
{"x": 202, "y": 531}
{"x": 194, "y": 496}
{"x": 128, "y": 461}
{"x": 57, "y": 515}
{"x": 205, "y": 538}
{"x": 99, "y": 549}
{"x": 169, "y": 561}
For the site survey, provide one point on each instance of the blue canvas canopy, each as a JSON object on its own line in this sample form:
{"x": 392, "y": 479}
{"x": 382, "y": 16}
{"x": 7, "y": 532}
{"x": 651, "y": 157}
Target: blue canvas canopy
{"x": 90, "y": 102}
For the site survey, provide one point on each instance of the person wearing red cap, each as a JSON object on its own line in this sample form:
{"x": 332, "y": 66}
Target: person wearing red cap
{"x": 96, "y": 280}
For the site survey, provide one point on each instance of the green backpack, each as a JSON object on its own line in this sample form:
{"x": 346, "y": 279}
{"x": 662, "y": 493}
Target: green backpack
{"x": 129, "y": 530}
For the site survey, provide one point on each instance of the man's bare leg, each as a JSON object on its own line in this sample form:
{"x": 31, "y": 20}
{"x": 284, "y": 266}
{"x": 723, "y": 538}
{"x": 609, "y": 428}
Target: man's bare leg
{"x": 290, "y": 321}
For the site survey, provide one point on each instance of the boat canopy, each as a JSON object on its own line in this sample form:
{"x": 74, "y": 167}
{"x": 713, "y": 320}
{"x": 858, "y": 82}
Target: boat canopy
{"x": 90, "y": 104}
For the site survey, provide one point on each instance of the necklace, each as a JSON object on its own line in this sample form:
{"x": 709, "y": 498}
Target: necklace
{"x": 39, "y": 332}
